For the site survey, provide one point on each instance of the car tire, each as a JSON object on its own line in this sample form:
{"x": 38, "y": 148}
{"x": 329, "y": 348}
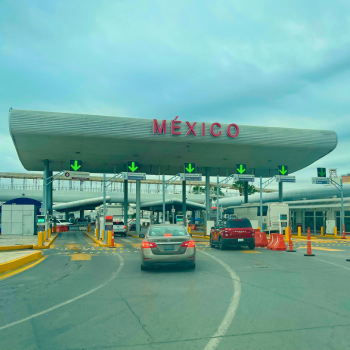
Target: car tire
{"x": 251, "y": 246}
{"x": 192, "y": 267}
{"x": 144, "y": 268}
{"x": 221, "y": 244}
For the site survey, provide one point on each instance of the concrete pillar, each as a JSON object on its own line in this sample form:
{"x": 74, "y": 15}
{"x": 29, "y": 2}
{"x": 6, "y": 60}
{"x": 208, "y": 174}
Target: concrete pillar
{"x": 45, "y": 192}
{"x": 138, "y": 204}
{"x": 167, "y": 216}
{"x": 126, "y": 202}
{"x": 193, "y": 217}
{"x": 49, "y": 192}
{"x": 245, "y": 192}
{"x": 280, "y": 192}
{"x": 184, "y": 201}
{"x": 207, "y": 193}
{"x": 67, "y": 215}
{"x": 81, "y": 212}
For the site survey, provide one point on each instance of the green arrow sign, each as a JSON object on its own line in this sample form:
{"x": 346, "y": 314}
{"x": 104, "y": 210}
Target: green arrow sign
{"x": 321, "y": 172}
{"x": 75, "y": 164}
{"x": 282, "y": 169}
{"x": 241, "y": 168}
{"x": 133, "y": 166}
{"x": 189, "y": 168}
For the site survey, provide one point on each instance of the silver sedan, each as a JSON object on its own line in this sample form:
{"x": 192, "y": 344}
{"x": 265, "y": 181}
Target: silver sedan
{"x": 167, "y": 245}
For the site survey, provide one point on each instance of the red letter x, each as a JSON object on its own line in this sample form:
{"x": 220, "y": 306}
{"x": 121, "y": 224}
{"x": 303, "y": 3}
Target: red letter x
{"x": 190, "y": 128}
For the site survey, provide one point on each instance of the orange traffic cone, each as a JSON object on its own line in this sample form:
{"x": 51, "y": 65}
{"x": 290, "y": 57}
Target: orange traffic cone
{"x": 308, "y": 251}
{"x": 290, "y": 243}
{"x": 344, "y": 232}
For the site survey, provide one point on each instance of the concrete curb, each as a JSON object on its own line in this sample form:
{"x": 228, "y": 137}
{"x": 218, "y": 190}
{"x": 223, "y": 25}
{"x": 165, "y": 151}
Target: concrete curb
{"x": 49, "y": 244}
{"x": 16, "y": 247}
{"x": 16, "y": 263}
{"x": 97, "y": 241}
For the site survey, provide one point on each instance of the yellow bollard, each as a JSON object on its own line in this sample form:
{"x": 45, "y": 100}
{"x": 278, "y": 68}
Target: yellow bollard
{"x": 189, "y": 229}
{"x": 49, "y": 233}
{"x": 109, "y": 238}
{"x": 96, "y": 232}
{"x": 103, "y": 235}
{"x": 40, "y": 239}
{"x": 258, "y": 229}
{"x": 321, "y": 230}
{"x": 299, "y": 231}
{"x": 44, "y": 236}
{"x": 335, "y": 232}
{"x": 286, "y": 234}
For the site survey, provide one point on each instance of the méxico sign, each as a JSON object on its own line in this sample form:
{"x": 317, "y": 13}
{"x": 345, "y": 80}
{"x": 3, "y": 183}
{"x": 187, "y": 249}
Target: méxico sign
{"x": 177, "y": 127}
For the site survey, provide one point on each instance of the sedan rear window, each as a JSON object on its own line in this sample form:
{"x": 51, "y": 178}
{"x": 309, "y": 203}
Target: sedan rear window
{"x": 118, "y": 223}
{"x": 238, "y": 223}
{"x": 164, "y": 230}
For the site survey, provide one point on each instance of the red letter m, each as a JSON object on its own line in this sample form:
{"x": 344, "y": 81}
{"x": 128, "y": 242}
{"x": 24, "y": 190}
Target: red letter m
{"x": 159, "y": 129}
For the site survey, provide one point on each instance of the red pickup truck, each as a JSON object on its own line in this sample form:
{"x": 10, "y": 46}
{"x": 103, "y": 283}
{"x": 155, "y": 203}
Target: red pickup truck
{"x": 235, "y": 233}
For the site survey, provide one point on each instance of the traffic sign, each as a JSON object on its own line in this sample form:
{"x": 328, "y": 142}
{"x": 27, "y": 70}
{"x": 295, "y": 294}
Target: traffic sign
{"x": 76, "y": 165}
{"x": 320, "y": 180}
{"x": 133, "y": 167}
{"x": 282, "y": 170}
{"x": 133, "y": 176}
{"x": 285, "y": 178}
{"x": 244, "y": 177}
{"x": 241, "y": 169}
{"x": 76, "y": 175}
{"x": 190, "y": 177}
{"x": 321, "y": 172}
{"x": 189, "y": 168}
{"x": 173, "y": 210}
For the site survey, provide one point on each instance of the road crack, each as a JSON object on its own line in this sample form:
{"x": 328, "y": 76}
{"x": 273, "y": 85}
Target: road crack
{"x": 138, "y": 319}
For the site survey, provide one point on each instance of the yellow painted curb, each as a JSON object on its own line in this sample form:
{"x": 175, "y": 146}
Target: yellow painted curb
{"x": 202, "y": 237}
{"x": 14, "y": 264}
{"x": 47, "y": 246}
{"x": 21, "y": 269}
{"x": 16, "y": 247}
{"x": 96, "y": 240}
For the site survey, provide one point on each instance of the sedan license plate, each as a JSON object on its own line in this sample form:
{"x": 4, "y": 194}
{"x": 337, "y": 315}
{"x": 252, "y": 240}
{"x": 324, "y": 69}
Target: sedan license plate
{"x": 168, "y": 247}
{"x": 240, "y": 240}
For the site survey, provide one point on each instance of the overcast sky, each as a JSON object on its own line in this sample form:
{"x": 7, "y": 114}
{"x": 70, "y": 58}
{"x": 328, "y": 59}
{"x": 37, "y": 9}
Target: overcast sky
{"x": 270, "y": 63}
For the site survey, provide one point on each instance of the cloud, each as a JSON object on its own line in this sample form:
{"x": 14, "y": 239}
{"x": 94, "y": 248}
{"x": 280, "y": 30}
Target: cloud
{"x": 272, "y": 63}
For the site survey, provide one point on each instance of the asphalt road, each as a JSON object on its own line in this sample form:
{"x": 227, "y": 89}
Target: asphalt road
{"x": 235, "y": 299}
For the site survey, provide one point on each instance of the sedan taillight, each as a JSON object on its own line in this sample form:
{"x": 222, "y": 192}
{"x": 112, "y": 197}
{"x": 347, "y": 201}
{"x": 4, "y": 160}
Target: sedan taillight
{"x": 189, "y": 244}
{"x": 124, "y": 226}
{"x": 146, "y": 244}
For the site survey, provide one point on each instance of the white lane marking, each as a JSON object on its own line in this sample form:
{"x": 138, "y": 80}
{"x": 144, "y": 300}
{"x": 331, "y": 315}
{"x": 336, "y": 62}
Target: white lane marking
{"x": 231, "y": 311}
{"x": 125, "y": 240}
{"x": 328, "y": 262}
{"x": 114, "y": 275}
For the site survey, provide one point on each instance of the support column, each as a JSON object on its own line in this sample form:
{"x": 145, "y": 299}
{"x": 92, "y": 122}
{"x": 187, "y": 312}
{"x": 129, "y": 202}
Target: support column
{"x": 184, "y": 201}
{"x": 207, "y": 196}
{"x": 81, "y": 212}
{"x": 67, "y": 215}
{"x": 104, "y": 206}
{"x": 126, "y": 203}
{"x": 280, "y": 192}
{"x": 45, "y": 192}
{"x": 193, "y": 217}
{"x": 245, "y": 192}
{"x": 49, "y": 192}
{"x": 138, "y": 204}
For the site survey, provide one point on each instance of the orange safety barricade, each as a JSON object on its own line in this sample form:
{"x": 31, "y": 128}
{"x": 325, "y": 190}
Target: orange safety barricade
{"x": 260, "y": 239}
{"x": 273, "y": 240}
{"x": 193, "y": 227}
{"x": 279, "y": 245}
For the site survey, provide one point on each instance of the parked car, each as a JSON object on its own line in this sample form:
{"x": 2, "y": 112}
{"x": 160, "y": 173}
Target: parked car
{"x": 233, "y": 233}
{"x": 119, "y": 228}
{"x": 132, "y": 226}
{"x": 167, "y": 245}
{"x": 60, "y": 222}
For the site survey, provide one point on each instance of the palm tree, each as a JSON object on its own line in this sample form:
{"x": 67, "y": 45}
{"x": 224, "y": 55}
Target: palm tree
{"x": 214, "y": 189}
{"x": 198, "y": 189}
{"x": 239, "y": 185}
